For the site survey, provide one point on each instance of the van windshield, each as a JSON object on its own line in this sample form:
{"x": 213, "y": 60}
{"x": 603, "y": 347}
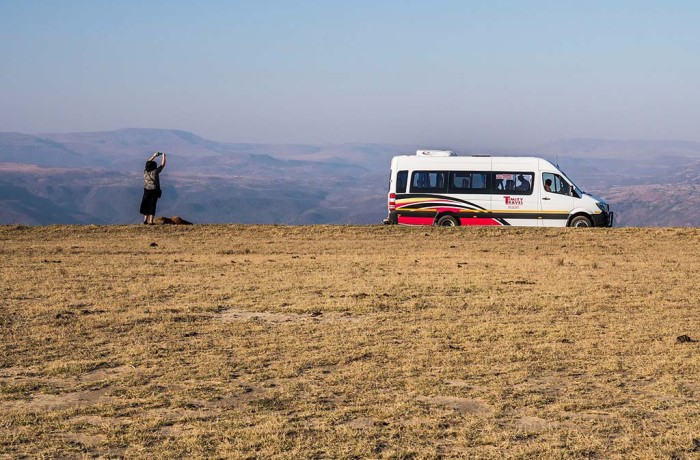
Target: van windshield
{"x": 577, "y": 190}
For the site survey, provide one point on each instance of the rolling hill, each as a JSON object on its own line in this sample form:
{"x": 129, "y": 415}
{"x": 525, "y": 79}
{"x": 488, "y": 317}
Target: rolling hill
{"x": 96, "y": 178}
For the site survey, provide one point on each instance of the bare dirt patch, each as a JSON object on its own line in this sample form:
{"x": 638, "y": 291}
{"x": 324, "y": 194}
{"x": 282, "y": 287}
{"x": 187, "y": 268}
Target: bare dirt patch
{"x": 83, "y": 439}
{"x": 269, "y": 317}
{"x": 106, "y": 373}
{"x": 234, "y": 314}
{"x": 529, "y": 423}
{"x": 360, "y": 423}
{"x": 50, "y": 393}
{"x": 589, "y": 415}
{"x": 49, "y": 402}
{"x": 462, "y": 405}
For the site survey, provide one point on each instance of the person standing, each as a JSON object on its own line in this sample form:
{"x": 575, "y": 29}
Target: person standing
{"x": 151, "y": 187}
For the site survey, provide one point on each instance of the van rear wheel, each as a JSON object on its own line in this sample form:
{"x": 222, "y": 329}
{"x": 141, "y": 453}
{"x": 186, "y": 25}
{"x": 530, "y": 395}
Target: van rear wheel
{"x": 447, "y": 221}
{"x": 581, "y": 221}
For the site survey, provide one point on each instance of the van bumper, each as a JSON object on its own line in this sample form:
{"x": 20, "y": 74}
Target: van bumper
{"x": 604, "y": 219}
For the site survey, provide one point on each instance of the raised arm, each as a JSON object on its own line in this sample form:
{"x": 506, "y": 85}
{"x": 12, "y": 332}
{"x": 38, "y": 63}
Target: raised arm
{"x": 162, "y": 160}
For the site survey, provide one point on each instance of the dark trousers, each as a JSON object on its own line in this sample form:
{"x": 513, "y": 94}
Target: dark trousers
{"x": 149, "y": 201}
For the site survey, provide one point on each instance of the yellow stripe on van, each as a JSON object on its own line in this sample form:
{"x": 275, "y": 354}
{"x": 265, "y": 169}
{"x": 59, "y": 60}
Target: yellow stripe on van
{"x": 418, "y": 200}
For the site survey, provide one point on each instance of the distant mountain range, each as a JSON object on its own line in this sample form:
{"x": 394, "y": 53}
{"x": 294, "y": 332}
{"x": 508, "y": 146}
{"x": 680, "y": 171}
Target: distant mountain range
{"x": 97, "y": 178}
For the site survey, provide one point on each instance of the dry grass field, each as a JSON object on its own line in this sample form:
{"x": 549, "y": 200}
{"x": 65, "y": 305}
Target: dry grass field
{"x": 349, "y": 342}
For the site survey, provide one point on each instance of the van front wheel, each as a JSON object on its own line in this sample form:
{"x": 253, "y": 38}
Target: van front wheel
{"x": 581, "y": 221}
{"x": 447, "y": 221}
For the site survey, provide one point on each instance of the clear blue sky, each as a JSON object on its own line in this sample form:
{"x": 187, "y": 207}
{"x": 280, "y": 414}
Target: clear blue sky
{"x": 463, "y": 73}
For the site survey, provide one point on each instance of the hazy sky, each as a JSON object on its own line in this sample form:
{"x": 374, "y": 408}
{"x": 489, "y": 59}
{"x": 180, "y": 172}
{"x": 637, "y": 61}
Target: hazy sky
{"x": 448, "y": 73}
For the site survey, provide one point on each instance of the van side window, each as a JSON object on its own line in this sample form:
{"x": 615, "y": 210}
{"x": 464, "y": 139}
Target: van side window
{"x": 513, "y": 183}
{"x": 401, "y": 179}
{"x": 469, "y": 182}
{"x": 554, "y": 183}
{"x": 429, "y": 182}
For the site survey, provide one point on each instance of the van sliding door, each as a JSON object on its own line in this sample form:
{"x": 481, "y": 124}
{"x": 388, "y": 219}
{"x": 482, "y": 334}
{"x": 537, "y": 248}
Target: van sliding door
{"x": 512, "y": 200}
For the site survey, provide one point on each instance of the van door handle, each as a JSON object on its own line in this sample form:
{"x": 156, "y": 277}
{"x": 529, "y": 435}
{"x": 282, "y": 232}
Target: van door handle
{"x": 545, "y": 198}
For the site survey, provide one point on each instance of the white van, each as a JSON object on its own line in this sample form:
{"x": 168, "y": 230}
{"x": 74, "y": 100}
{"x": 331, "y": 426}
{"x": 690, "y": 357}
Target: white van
{"x": 437, "y": 187}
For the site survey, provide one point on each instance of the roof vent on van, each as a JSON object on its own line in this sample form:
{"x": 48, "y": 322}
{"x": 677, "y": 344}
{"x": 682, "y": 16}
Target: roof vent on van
{"x": 435, "y": 153}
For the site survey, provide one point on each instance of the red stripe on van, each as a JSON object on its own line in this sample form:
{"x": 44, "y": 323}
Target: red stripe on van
{"x": 409, "y": 220}
{"x": 479, "y": 221}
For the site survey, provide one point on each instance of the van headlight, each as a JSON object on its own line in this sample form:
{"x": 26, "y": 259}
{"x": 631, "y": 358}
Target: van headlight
{"x": 603, "y": 206}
